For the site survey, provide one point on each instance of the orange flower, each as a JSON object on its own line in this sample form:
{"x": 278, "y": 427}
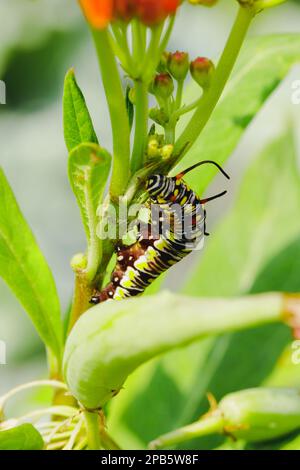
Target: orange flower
{"x": 152, "y": 11}
{"x": 98, "y": 12}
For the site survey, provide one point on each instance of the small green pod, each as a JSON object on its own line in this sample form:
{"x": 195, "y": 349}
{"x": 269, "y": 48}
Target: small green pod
{"x": 253, "y": 415}
{"x": 114, "y": 338}
{"x": 261, "y": 414}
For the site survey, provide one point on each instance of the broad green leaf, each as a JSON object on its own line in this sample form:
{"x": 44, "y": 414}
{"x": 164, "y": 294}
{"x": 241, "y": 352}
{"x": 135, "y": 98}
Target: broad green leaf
{"x": 26, "y": 271}
{"x": 89, "y": 167}
{"x": 23, "y": 437}
{"x": 257, "y": 228}
{"x": 264, "y": 63}
{"x": 78, "y": 126}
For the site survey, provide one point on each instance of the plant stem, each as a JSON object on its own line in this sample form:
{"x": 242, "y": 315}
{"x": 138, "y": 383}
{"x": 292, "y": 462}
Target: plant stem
{"x": 210, "y": 424}
{"x": 170, "y": 133}
{"x": 93, "y": 430}
{"x": 187, "y": 108}
{"x": 81, "y": 298}
{"x": 118, "y": 113}
{"x": 222, "y": 73}
{"x": 37, "y": 383}
{"x": 179, "y": 94}
{"x": 167, "y": 35}
{"x": 141, "y": 125}
{"x": 152, "y": 57}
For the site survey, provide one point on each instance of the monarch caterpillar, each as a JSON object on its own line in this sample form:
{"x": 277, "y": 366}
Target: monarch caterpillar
{"x": 139, "y": 264}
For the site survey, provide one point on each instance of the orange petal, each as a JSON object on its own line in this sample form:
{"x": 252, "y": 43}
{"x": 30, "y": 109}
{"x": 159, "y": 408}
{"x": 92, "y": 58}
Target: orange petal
{"x": 97, "y": 12}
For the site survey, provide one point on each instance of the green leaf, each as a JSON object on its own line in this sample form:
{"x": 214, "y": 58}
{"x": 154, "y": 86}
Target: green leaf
{"x": 89, "y": 167}
{"x": 264, "y": 63}
{"x": 78, "y": 126}
{"x": 24, "y": 437}
{"x": 24, "y": 268}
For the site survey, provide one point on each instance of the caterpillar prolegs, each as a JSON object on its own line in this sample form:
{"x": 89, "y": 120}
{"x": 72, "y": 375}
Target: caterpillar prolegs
{"x": 171, "y": 235}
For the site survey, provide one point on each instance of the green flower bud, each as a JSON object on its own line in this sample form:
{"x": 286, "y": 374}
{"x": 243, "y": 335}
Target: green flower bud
{"x": 178, "y": 65}
{"x": 79, "y": 262}
{"x": 258, "y": 414}
{"x": 261, "y": 414}
{"x": 167, "y": 151}
{"x": 163, "y": 64}
{"x": 153, "y": 148}
{"x": 163, "y": 85}
{"x": 202, "y": 70}
{"x": 159, "y": 116}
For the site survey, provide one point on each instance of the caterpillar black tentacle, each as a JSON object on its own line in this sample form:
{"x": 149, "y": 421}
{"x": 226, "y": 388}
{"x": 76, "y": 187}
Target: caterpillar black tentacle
{"x": 139, "y": 264}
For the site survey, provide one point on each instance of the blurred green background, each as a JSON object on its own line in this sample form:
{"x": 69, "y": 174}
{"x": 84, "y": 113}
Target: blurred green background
{"x": 39, "y": 41}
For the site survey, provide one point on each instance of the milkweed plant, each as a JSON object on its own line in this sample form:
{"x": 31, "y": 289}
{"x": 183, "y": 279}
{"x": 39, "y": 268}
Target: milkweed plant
{"x": 169, "y": 114}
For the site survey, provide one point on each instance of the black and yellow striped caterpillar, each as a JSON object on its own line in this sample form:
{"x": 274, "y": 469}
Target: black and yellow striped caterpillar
{"x": 158, "y": 248}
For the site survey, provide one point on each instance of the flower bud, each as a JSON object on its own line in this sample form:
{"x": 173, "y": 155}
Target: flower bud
{"x": 167, "y": 151}
{"x": 202, "y": 70}
{"x": 253, "y": 415}
{"x": 151, "y": 12}
{"x": 163, "y": 63}
{"x": 159, "y": 116}
{"x": 163, "y": 85}
{"x": 178, "y": 65}
{"x": 97, "y": 13}
{"x": 79, "y": 262}
{"x": 153, "y": 148}
{"x": 261, "y": 414}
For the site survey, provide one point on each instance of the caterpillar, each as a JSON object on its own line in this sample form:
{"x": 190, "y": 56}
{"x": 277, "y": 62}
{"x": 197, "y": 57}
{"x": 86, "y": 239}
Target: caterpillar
{"x": 164, "y": 240}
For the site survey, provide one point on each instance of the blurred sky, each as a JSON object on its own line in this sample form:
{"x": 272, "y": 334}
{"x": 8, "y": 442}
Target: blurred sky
{"x": 39, "y": 41}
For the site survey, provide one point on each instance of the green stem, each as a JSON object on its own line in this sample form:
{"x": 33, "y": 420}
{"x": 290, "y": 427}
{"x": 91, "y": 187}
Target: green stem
{"x": 187, "y": 108}
{"x": 81, "y": 298}
{"x": 210, "y": 424}
{"x": 120, "y": 51}
{"x": 170, "y": 133}
{"x": 167, "y": 35}
{"x": 141, "y": 125}
{"x": 152, "y": 57}
{"x": 223, "y": 71}
{"x": 93, "y": 430}
{"x": 179, "y": 94}
{"x": 118, "y": 113}
{"x": 36, "y": 384}
{"x": 138, "y": 46}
